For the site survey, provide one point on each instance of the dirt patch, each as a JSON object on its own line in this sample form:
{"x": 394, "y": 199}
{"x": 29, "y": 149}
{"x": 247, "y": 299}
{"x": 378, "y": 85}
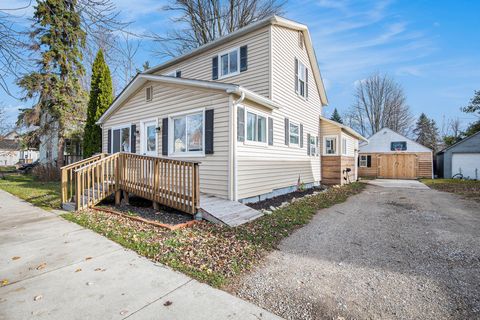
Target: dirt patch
{"x": 286, "y": 198}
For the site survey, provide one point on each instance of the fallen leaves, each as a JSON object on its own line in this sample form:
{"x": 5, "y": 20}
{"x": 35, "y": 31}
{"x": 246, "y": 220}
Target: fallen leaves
{"x": 88, "y": 258}
{"x": 15, "y": 258}
{"x": 39, "y": 297}
{"x": 41, "y": 266}
{"x": 78, "y": 270}
{"x": 168, "y": 303}
{"x": 4, "y": 282}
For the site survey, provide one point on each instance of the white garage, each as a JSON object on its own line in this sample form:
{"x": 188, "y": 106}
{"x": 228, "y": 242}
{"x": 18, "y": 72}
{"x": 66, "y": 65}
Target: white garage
{"x": 467, "y": 164}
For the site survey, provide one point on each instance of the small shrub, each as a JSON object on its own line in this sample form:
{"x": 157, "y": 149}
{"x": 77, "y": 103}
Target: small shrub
{"x": 46, "y": 172}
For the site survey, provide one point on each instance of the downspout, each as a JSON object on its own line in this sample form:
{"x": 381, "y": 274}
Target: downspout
{"x": 234, "y": 142}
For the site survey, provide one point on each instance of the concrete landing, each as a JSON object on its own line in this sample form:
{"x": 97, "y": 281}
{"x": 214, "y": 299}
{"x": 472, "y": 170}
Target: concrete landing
{"x": 231, "y": 213}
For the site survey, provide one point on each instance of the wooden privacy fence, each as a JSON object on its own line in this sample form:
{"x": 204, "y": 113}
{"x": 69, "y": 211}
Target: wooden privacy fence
{"x": 172, "y": 183}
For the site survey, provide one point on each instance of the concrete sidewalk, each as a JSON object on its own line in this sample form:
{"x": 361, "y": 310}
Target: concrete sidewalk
{"x": 58, "y": 270}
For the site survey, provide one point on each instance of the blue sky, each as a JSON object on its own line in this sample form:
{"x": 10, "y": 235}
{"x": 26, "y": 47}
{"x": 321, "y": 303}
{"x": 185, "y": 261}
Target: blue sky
{"x": 432, "y": 48}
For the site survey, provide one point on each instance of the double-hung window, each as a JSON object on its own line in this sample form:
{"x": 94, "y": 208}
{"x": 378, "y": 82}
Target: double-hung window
{"x": 188, "y": 133}
{"x": 301, "y": 78}
{"x": 294, "y": 133}
{"x": 344, "y": 146}
{"x": 121, "y": 139}
{"x": 313, "y": 145}
{"x": 363, "y": 161}
{"x": 330, "y": 145}
{"x": 229, "y": 63}
{"x": 256, "y": 127}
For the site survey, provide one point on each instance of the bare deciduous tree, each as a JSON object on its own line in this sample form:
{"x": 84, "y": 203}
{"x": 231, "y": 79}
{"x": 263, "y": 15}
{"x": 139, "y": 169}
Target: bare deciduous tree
{"x": 203, "y": 21}
{"x": 380, "y": 102}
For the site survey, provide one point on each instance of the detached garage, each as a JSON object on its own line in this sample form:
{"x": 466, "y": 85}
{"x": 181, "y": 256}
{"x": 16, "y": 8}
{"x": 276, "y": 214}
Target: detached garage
{"x": 390, "y": 155}
{"x": 462, "y": 158}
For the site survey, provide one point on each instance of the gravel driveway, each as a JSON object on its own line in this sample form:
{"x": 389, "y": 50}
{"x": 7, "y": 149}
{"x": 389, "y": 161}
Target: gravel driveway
{"x": 387, "y": 253}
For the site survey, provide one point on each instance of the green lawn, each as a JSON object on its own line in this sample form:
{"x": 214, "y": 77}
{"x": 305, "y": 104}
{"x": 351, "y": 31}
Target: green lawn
{"x": 7, "y": 168}
{"x": 467, "y": 188}
{"x": 42, "y": 194}
{"x": 208, "y": 252}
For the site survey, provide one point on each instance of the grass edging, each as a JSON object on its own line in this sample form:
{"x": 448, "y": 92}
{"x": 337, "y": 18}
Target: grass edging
{"x": 210, "y": 253}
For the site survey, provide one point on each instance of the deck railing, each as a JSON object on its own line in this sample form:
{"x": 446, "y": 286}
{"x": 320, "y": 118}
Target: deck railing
{"x": 172, "y": 183}
{"x": 68, "y": 176}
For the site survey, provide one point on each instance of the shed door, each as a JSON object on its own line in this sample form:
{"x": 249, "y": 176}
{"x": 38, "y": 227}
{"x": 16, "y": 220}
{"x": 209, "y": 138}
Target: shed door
{"x": 397, "y": 166}
{"x": 467, "y": 164}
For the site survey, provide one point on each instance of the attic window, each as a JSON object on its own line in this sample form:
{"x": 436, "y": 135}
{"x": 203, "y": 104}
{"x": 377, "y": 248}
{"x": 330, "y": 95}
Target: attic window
{"x": 300, "y": 39}
{"x": 398, "y": 146}
{"x": 149, "y": 93}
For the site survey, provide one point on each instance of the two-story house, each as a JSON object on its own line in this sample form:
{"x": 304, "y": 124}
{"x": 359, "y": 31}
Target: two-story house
{"x": 247, "y": 106}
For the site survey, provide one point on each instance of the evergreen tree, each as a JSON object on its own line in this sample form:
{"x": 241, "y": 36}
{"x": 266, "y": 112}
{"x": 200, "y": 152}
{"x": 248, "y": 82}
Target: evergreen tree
{"x": 336, "y": 116}
{"x": 426, "y": 132}
{"x": 473, "y": 107}
{"x": 101, "y": 96}
{"x": 57, "y": 40}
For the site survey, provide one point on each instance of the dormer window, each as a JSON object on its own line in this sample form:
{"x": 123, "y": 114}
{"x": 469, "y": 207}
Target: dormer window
{"x": 148, "y": 93}
{"x": 301, "y": 79}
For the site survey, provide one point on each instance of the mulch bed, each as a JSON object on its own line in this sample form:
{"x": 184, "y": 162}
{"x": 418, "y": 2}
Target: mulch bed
{"x": 279, "y": 200}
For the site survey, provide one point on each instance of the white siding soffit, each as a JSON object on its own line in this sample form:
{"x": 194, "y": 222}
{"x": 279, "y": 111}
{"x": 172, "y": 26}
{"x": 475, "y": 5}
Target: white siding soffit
{"x": 141, "y": 79}
{"x": 272, "y": 20}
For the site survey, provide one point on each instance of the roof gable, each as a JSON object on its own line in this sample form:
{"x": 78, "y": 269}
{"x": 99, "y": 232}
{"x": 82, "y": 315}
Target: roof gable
{"x": 380, "y": 142}
{"x": 273, "y": 20}
{"x": 461, "y": 142}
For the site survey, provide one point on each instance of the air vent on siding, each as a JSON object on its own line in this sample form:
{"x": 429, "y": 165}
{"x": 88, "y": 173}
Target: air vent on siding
{"x": 300, "y": 39}
{"x": 148, "y": 93}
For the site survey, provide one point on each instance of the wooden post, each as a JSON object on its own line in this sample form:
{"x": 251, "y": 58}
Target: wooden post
{"x": 196, "y": 187}
{"x": 77, "y": 190}
{"x": 156, "y": 205}
{"x": 64, "y": 185}
{"x": 125, "y": 197}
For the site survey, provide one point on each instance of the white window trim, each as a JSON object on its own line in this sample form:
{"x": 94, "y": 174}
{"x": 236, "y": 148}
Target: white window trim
{"x": 304, "y": 80}
{"x": 120, "y": 127}
{"x": 188, "y": 154}
{"x": 324, "y": 151}
{"x": 258, "y": 113}
{"x": 151, "y": 97}
{"x": 344, "y": 152}
{"x": 142, "y": 135}
{"x": 316, "y": 153}
{"x": 365, "y": 160}
{"x": 220, "y": 63}
{"x": 290, "y": 144}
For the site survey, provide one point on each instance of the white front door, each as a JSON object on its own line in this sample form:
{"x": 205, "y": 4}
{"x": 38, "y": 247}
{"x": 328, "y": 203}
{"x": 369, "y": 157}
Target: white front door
{"x": 148, "y": 140}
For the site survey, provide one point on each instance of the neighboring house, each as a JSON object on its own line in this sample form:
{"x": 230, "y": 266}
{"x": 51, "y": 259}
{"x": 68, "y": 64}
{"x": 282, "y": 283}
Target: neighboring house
{"x": 11, "y": 152}
{"x": 388, "y": 154}
{"x": 247, "y": 106}
{"x": 462, "y": 157}
{"x": 339, "y": 146}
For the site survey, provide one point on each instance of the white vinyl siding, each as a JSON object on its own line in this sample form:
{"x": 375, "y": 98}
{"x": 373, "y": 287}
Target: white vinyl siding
{"x": 255, "y": 78}
{"x": 175, "y": 99}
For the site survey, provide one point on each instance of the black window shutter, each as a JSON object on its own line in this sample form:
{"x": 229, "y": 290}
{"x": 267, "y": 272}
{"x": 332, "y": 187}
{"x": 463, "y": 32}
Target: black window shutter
{"x": 133, "y": 139}
{"x": 165, "y": 136}
{"x": 306, "y": 83}
{"x": 243, "y": 58}
{"x": 296, "y": 75}
{"x": 209, "y": 131}
{"x": 270, "y": 131}
{"x": 308, "y": 144}
{"x": 369, "y": 161}
{"x": 109, "y": 143}
{"x": 240, "y": 124}
{"x": 301, "y": 135}
{"x": 215, "y": 68}
{"x": 316, "y": 144}
{"x": 178, "y": 74}
{"x": 358, "y": 161}
{"x": 287, "y": 131}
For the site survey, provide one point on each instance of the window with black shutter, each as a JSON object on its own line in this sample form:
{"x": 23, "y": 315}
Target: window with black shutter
{"x": 243, "y": 58}
{"x": 209, "y": 131}
{"x": 215, "y": 68}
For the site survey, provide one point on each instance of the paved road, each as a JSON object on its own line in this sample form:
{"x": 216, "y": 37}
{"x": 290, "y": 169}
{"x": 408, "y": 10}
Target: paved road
{"x": 58, "y": 270}
{"x": 391, "y": 252}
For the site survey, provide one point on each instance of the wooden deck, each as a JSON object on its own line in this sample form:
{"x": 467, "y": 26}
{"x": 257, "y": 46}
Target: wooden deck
{"x": 231, "y": 213}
